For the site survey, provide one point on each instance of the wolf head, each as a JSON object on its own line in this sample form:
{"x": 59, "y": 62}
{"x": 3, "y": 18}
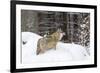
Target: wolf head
{"x": 61, "y": 33}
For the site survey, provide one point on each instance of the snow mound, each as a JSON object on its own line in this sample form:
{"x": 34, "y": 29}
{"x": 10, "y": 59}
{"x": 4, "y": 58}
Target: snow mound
{"x": 63, "y": 52}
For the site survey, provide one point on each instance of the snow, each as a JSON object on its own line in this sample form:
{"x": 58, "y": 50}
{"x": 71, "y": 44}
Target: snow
{"x": 63, "y": 52}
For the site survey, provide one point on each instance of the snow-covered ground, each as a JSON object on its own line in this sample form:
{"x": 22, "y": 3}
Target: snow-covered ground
{"x": 64, "y": 51}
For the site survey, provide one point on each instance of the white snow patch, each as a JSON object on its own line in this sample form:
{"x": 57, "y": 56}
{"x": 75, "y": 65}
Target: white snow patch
{"x": 63, "y": 52}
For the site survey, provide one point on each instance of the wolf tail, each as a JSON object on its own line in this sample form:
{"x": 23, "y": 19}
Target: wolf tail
{"x": 38, "y": 47}
{"x": 38, "y": 51}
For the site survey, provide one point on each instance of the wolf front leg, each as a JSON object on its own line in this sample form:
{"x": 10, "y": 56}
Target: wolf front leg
{"x": 55, "y": 47}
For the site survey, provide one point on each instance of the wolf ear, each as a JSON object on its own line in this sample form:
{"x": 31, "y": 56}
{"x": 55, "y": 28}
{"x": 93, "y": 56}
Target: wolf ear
{"x": 59, "y": 29}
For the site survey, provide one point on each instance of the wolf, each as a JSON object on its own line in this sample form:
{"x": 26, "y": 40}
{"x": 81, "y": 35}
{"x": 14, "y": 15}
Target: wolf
{"x": 49, "y": 41}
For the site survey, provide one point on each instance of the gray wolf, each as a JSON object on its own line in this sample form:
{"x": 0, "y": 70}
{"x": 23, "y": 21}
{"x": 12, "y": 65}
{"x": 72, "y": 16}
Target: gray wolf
{"x": 49, "y": 41}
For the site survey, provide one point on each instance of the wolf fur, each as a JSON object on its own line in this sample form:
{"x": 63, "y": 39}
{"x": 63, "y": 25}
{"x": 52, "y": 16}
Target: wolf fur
{"x": 49, "y": 41}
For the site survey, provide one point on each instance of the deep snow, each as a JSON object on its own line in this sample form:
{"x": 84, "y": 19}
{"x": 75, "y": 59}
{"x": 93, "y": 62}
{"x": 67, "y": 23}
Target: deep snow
{"x": 64, "y": 51}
